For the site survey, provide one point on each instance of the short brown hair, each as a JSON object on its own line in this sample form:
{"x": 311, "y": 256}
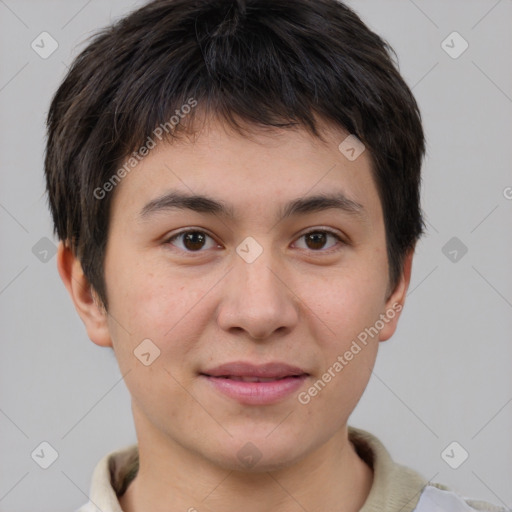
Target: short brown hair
{"x": 275, "y": 63}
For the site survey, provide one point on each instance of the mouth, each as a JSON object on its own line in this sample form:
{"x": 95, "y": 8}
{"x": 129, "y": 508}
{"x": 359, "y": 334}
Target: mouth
{"x": 255, "y": 384}
{"x": 254, "y": 379}
{"x": 244, "y": 370}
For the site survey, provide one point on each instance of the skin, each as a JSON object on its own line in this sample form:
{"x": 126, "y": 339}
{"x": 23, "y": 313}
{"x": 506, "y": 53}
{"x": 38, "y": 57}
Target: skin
{"x": 298, "y": 302}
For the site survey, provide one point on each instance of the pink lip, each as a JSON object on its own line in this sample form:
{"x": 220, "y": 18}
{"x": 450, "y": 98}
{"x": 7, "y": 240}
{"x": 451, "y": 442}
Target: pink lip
{"x": 240, "y": 369}
{"x": 288, "y": 379}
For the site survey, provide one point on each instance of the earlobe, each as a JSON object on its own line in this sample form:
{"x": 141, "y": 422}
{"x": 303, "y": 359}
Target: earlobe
{"x": 396, "y": 300}
{"x": 88, "y": 306}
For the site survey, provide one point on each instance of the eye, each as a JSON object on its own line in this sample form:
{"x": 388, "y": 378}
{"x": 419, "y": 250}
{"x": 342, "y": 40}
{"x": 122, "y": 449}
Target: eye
{"x": 192, "y": 241}
{"x": 318, "y": 239}
{"x": 195, "y": 241}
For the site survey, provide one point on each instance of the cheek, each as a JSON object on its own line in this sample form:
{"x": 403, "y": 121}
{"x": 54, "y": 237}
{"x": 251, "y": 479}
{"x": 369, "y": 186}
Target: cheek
{"x": 153, "y": 303}
{"x": 344, "y": 304}
{"x": 140, "y": 295}
{"x": 347, "y": 348}
{"x": 349, "y": 304}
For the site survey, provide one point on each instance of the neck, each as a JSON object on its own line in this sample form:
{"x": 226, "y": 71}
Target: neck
{"x": 333, "y": 477}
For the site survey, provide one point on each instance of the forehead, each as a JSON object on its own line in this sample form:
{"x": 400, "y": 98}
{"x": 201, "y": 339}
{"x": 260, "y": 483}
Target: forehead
{"x": 257, "y": 171}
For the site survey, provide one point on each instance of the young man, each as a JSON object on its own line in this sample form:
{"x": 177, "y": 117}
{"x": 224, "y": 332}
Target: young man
{"x": 235, "y": 185}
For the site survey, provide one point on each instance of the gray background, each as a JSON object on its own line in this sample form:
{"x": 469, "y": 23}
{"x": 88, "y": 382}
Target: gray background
{"x": 445, "y": 375}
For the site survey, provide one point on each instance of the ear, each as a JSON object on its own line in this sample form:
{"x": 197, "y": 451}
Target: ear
{"x": 395, "y": 302}
{"x": 86, "y": 301}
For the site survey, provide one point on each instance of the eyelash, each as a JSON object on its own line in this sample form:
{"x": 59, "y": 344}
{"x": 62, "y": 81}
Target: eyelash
{"x": 335, "y": 248}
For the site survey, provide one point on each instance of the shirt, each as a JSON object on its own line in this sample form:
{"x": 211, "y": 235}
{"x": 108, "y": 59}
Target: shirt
{"x": 395, "y": 488}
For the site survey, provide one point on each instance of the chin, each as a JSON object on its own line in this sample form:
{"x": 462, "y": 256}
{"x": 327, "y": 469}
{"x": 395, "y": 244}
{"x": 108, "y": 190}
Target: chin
{"x": 258, "y": 455}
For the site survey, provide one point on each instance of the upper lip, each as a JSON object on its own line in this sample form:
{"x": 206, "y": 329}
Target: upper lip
{"x": 242, "y": 369}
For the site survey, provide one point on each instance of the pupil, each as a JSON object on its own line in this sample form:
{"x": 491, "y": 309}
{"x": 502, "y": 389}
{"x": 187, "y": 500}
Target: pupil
{"x": 194, "y": 240}
{"x": 317, "y": 239}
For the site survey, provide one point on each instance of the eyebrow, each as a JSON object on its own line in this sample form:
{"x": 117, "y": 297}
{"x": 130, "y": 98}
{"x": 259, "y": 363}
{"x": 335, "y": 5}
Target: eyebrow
{"x": 203, "y": 204}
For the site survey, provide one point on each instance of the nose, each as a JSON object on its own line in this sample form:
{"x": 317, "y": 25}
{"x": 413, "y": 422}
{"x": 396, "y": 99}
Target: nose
{"x": 258, "y": 299}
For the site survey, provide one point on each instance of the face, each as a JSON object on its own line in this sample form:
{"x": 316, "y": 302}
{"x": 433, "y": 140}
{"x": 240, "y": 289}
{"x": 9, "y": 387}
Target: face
{"x": 253, "y": 301}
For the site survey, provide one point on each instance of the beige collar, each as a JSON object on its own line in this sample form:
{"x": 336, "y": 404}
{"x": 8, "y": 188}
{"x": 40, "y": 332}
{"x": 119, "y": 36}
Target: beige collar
{"x": 395, "y": 487}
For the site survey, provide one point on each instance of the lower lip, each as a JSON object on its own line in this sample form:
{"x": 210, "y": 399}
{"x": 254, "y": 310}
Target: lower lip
{"x": 256, "y": 393}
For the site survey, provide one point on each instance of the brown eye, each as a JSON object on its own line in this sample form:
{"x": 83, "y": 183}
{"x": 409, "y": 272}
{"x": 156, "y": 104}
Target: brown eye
{"x": 319, "y": 240}
{"x": 192, "y": 241}
{"x": 316, "y": 240}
